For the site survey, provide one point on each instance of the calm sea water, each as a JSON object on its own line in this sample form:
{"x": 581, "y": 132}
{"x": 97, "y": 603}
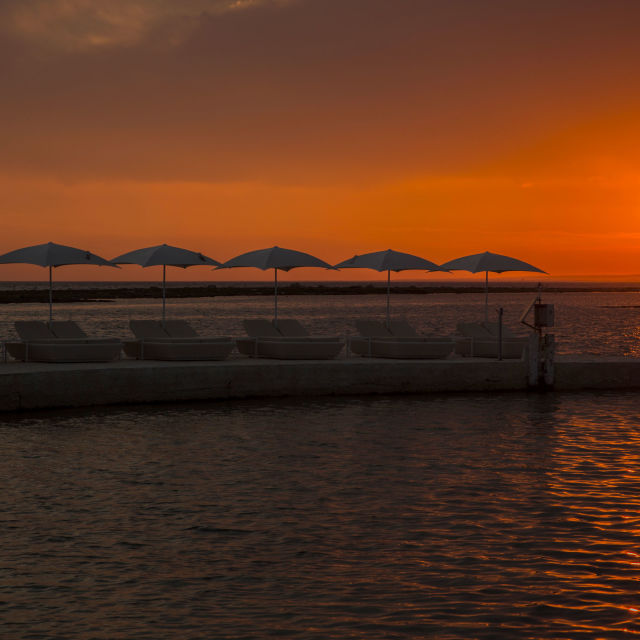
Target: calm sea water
{"x": 605, "y": 323}
{"x": 459, "y": 516}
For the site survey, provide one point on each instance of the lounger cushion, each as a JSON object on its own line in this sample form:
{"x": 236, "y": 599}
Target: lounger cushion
{"x": 290, "y": 328}
{"x": 143, "y": 329}
{"x": 299, "y": 349}
{"x": 473, "y": 330}
{"x": 260, "y": 328}
{"x": 421, "y": 349}
{"x": 489, "y": 349}
{"x": 66, "y": 329}
{"x": 57, "y": 350}
{"x": 493, "y": 329}
{"x": 372, "y": 329}
{"x": 186, "y": 350}
{"x": 402, "y": 329}
{"x": 33, "y": 330}
{"x": 179, "y": 329}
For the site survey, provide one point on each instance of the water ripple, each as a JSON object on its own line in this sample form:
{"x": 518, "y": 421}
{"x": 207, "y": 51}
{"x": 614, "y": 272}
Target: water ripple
{"x": 470, "y": 516}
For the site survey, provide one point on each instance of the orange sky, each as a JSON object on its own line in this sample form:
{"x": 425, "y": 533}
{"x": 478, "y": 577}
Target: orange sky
{"x": 440, "y": 128}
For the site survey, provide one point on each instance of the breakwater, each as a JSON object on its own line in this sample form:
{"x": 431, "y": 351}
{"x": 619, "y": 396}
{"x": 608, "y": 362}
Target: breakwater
{"x": 94, "y": 294}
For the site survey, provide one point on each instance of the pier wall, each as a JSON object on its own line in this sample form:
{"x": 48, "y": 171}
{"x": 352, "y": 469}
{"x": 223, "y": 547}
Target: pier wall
{"x": 37, "y": 386}
{"x": 26, "y": 386}
{"x": 580, "y": 373}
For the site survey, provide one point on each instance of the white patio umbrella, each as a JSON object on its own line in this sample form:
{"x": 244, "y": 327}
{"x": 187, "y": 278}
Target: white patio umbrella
{"x": 53, "y": 255}
{"x": 275, "y": 258}
{"x": 389, "y": 261}
{"x": 486, "y": 262}
{"x": 165, "y": 255}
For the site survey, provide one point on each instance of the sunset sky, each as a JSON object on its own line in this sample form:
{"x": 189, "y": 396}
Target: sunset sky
{"x": 440, "y": 128}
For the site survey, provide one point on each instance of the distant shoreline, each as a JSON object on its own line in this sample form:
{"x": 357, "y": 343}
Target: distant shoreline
{"x": 96, "y": 294}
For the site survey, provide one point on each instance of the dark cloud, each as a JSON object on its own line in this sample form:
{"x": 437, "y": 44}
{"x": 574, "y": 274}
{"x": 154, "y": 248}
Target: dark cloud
{"x": 316, "y": 89}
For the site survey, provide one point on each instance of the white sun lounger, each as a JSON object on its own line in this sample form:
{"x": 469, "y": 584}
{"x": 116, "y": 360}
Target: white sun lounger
{"x": 480, "y": 340}
{"x": 39, "y": 343}
{"x": 267, "y": 341}
{"x": 177, "y": 340}
{"x": 398, "y": 340}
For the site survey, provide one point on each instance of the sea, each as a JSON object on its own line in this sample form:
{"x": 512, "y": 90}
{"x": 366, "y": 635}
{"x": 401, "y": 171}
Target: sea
{"x": 450, "y": 516}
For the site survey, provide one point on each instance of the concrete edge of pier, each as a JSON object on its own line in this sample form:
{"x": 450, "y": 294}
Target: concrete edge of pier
{"x": 25, "y": 386}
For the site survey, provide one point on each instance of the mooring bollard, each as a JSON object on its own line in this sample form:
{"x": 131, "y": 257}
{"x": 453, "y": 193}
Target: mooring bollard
{"x": 549, "y": 352}
{"x": 534, "y": 359}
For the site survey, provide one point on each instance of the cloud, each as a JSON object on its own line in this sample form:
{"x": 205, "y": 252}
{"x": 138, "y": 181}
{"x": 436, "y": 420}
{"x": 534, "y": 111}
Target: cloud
{"x": 90, "y": 24}
{"x": 308, "y": 91}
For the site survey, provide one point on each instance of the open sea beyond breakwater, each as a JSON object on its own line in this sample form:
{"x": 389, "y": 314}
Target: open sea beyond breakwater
{"x": 459, "y": 516}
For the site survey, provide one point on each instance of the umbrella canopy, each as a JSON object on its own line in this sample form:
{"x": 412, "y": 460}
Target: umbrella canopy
{"x": 165, "y": 255}
{"x": 52, "y": 255}
{"x": 486, "y": 262}
{"x": 275, "y": 258}
{"x": 389, "y": 261}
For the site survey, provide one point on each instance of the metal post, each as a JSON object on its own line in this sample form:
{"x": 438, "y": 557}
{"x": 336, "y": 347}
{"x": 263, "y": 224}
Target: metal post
{"x": 500, "y": 312}
{"x": 50, "y": 294}
{"x": 164, "y": 296}
{"x": 275, "y": 297}
{"x": 486, "y": 296}
{"x": 548, "y": 370}
{"x": 534, "y": 359}
{"x": 388, "y": 293}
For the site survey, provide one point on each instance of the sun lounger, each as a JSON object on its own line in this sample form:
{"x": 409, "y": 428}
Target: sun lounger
{"x": 373, "y": 329}
{"x": 66, "y": 329}
{"x": 267, "y": 341}
{"x": 398, "y": 340}
{"x": 368, "y": 330}
{"x": 480, "y": 340}
{"x": 291, "y": 328}
{"x": 258, "y": 328}
{"x": 147, "y": 329}
{"x": 180, "y": 329}
{"x": 402, "y": 329}
{"x": 310, "y": 348}
{"x": 39, "y": 343}
{"x": 493, "y": 328}
{"x": 176, "y": 340}
{"x": 411, "y": 348}
{"x": 33, "y": 330}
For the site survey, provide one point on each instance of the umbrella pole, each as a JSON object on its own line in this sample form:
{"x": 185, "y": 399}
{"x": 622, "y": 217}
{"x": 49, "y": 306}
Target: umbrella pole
{"x": 388, "y": 293}
{"x": 50, "y": 293}
{"x": 275, "y": 297}
{"x": 164, "y": 295}
{"x": 486, "y": 296}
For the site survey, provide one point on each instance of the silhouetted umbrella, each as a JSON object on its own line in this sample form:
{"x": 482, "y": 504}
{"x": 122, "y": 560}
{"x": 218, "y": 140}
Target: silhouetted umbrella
{"x": 275, "y": 258}
{"x": 389, "y": 261}
{"x": 165, "y": 255}
{"x": 53, "y": 255}
{"x": 486, "y": 262}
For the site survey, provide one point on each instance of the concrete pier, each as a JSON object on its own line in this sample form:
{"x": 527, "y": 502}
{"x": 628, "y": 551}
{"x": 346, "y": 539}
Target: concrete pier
{"x": 41, "y": 386}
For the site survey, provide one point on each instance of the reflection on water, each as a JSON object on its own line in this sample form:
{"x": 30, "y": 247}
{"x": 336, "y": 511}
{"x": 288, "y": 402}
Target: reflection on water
{"x": 462, "y": 516}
